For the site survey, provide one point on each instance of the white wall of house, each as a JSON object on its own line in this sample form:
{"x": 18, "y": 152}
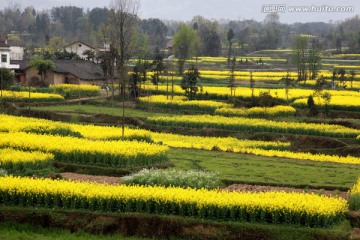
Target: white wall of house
{"x": 16, "y": 53}
{"x": 5, "y": 59}
{"x": 78, "y": 48}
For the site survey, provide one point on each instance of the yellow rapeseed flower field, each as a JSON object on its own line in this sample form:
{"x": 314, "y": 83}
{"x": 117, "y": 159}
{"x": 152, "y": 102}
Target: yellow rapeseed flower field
{"x": 219, "y": 143}
{"x": 224, "y": 92}
{"x": 261, "y": 148}
{"x": 255, "y": 124}
{"x": 18, "y": 124}
{"x": 76, "y": 89}
{"x": 16, "y": 161}
{"x": 12, "y": 96}
{"x": 277, "y": 111}
{"x": 182, "y": 103}
{"x": 274, "y": 207}
{"x": 27, "y": 124}
{"x": 77, "y": 150}
{"x": 336, "y": 102}
{"x": 9, "y": 155}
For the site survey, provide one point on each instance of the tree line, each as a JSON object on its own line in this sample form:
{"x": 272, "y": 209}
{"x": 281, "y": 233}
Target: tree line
{"x": 69, "y": 23}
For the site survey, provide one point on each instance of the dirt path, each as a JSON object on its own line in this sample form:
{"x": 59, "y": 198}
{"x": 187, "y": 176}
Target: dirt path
{"x": 91, "y": 178}
{"x": 259, "y": 188}
{"x": 234, "y": 187}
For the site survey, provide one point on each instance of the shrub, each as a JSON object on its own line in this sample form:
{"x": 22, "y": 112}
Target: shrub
{"x": 312, "y": 107}
{"x": 7, "y": 78}
{"x": 3, "y": 172}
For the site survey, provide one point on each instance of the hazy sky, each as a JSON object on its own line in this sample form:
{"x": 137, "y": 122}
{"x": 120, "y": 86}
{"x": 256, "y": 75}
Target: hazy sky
{"x": 218, "y": 9}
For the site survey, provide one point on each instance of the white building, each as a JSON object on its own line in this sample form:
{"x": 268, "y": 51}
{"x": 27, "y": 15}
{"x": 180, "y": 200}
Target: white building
{"x": 5, "y": 56}
{"x": 79, "y": 47}
{"x": 16, "y": 50}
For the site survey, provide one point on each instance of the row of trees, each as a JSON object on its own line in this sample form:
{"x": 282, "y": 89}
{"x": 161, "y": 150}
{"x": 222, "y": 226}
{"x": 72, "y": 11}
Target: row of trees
{"x": 51, "y": 29}
{"x": 36, "y": 28}
{"x": 306, "y": 59}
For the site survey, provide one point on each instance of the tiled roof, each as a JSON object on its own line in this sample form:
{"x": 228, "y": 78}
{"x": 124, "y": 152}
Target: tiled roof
{"x": 84, "y": 70}
{"x": 3, "y": 44}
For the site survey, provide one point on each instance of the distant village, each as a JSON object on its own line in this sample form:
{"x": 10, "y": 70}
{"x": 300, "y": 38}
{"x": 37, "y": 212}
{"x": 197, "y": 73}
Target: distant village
{"x": 66, "y": 71}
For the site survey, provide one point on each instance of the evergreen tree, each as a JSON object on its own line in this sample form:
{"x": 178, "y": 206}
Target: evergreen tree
{"x": 190, "y": 82}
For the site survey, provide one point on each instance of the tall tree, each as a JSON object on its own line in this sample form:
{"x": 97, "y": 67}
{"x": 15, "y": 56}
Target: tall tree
{"x": 55, "y": 44}
{"x": 252, "y": 87}
{"x": 98, "y": 16}
{"x": 338, "y": 45}
{"x": 333, "y": 78}
{"x": 314, "y": 59}
{"x": 123, "y": 22}
{"x": 232, "y": 77}
{"x": 190, "y": 82}
{"x": 139, "y": 76}
{"x": 230, "y": 38}
{"x": 158, "y": 67}
{"x": 299, "y": 56}
{"x": 185, "y": 42}
{"x": 69, "y": 17}
{"x": 288, "y": 82}
{"x": 342, "y": 77}
{"x": 156, "y": 30}
{"x": 244, "y": 38}
{"x": 209, "y": 39}
{"x": 352, "y": 77}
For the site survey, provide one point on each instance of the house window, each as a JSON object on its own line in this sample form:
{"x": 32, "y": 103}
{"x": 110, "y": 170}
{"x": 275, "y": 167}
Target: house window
{"x": 3, "y": 58}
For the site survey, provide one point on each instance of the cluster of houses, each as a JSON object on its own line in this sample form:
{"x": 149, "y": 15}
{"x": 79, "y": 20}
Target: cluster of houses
{"x": 66, "y": 71}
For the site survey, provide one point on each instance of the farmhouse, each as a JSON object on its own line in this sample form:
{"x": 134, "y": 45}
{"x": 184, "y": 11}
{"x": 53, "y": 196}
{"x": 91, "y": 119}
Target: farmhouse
{"x": 79, "y": 47}
{"x": 66, "y": 71}
{"x": 5, "y": 56}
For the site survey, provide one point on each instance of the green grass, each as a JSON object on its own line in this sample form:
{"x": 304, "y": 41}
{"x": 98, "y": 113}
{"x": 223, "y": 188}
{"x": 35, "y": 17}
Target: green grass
{"x": 13, "y": 231}
{"x": 250, "y": 169}
{"x": 90, "y": 109}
